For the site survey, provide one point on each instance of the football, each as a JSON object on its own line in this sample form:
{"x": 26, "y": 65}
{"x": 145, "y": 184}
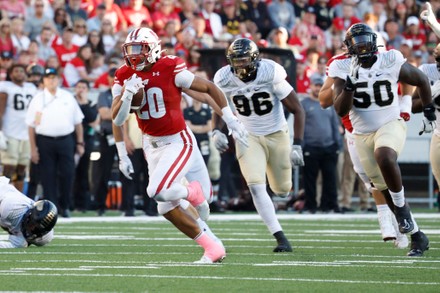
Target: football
{"x": 137, "y": 97}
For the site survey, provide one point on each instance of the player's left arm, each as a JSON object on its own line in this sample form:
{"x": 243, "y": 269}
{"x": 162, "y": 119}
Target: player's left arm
{"x": 413, "y": 76}
{"x": 292, "y": 103}
{"x": 204, "y": 98}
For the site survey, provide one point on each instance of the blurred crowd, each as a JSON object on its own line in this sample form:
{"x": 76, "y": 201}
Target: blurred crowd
{"x": 82, "y": 40}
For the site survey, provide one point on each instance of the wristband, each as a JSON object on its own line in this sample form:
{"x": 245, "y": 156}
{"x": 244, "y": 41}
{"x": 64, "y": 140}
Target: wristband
{"x": 298, "y": 141}
{"x": 80, "y": 143}
{"x": 227, "y": 114}
{"x": 122, "y": 150}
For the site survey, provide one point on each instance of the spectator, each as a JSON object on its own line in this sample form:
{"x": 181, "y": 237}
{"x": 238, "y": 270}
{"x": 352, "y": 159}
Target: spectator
{"x": 55, "y": 134}
{"x": 45, "y": 40}
{"x": 189, "y": 10}
{"x": 6, "y": 62}
{"x": 19, "y": 40}
{"x": 300, "y": 7}
{"x": 79, "y": 32}
{"x": 170, "y": 32}
{"x": 164, "y": 14}
{"x": 102, "y": 82}
{"x": 95, "y": 22}
{"x": 61, "y": 19}
{"x": 81, "y": 187}
{"x": 15, "y": 96}
{"x": 324, "y": 14}
{"x": 282, "y": 13}
{"x": 94, "y": 39}
{"x": 414, "y": 33}
{"x": 13, "y": 9}
{"x": 74, "y": 10}
{"x": 108, "y": 36}
{"x": 114, "y": 13}
{"x": 33, "y": 55}
{"x": 202, "y": 37}
{"x": 322, "y": 143}
{"x": 213, "y": 21}
{"x": 26, "y": 221}
{"x": 257, "y": 13}
{"x": 232, "y": 20}
{"x": 79, "y": 67}
{"x": 6, "y": 43}
{"x": 65, "y": 50}
{"x": 393, "y": 38}
{"x": 107, "y": 146}
{"x": 34, "y": 23}
{"x": 136, "y": 14}
{"x": 198, "y": 119}
{"x": 347, "y": 18}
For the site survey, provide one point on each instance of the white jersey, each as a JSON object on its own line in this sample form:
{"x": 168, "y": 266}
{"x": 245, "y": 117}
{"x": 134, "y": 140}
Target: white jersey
{"x": 433, "y": 75}
{"x": 376, "y": 99}
{"x": 258, "y": 103}
{"x": 18, "y": 99}
{"x": 13, "y": 206}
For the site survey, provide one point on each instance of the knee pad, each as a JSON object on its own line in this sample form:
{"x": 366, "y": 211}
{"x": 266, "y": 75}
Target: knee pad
{"x": 164, "y": 207}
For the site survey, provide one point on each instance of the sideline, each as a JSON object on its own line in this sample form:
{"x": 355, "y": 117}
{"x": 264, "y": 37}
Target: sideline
{"x": 241, "y": 217}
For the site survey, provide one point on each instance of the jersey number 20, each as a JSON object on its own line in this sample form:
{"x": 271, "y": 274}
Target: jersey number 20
{"x": 156, "y": 105}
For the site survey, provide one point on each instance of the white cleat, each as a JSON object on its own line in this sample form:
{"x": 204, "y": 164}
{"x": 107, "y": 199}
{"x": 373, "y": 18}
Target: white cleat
{"x": 203, "y": 210}
{"x": 207, "y": 260}
{"x": 401, "y": 241}
{"x": 386, "y": 225}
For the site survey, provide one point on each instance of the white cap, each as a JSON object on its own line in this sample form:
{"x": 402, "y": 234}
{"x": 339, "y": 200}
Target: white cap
{"x": 412, "y": 20}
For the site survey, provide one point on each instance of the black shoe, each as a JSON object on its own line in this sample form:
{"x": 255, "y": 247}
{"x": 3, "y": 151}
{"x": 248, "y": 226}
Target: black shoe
{"x": 347, "y": 210}
{"x": 215, "y": 207}
{"x": 151, "y": 213}
{"x": 101, "y": 212}
{"x": 403, "y": 217}
{"x": 283, "y": 247}
{"x": 129, "y": 213}
{"x": 419, "y": 244}
{"x": 369, "y": 210}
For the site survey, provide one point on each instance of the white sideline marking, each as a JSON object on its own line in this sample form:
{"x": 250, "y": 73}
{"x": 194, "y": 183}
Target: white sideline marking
{"x": 88, "y": 275}
{"x": 238, "y": 217}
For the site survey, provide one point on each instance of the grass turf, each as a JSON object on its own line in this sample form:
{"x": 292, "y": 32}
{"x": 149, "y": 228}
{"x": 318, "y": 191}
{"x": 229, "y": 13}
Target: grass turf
{"x": 141, "y": 254}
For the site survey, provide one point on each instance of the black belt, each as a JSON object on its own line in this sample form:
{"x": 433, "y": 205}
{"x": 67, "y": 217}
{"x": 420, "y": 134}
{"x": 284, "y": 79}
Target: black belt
{"x": 55, "y": 137}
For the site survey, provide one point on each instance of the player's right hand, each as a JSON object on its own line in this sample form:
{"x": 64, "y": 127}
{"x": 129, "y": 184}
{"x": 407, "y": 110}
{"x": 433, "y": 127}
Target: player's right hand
{"x": 428, "y": 15}
{"x": 125, "y": 166}
{"x": 238, "y": 131}
{"x": 3, "y": 141}
{"x": 296, "y": 156}
{"x": 133, "y": 84}
{"x": 220, "y": 140}
{"x": 352, "y": 78}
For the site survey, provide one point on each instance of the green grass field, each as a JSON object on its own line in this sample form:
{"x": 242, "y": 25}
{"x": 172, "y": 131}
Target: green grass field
{"x": 332, "y": 253}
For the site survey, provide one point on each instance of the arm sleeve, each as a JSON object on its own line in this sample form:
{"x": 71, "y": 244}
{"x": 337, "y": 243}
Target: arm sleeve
{"x": 184, "y": 79}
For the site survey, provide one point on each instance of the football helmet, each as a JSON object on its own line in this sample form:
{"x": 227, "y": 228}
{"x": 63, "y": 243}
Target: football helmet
{"x": 361, "y": 41}
{"x": 39, "y": 219}
{"x": 141, "y": 48}
{"x": 243, "y": 56}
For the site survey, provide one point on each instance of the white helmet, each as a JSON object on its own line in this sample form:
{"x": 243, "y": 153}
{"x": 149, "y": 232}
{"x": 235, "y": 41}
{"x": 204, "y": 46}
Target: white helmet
{"x": 141, "y": 47}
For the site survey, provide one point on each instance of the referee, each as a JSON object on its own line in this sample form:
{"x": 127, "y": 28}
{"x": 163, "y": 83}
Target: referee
{"x": 55, "y": 119}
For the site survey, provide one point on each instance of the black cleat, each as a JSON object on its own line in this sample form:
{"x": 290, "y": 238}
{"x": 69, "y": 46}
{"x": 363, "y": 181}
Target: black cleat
{"x": 283, "y": 247}
{"x": 419, "y": 244}
{"x": 403, "y": 217}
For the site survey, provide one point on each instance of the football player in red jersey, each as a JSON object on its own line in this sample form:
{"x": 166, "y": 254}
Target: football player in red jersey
{"x": 169, "y": 145}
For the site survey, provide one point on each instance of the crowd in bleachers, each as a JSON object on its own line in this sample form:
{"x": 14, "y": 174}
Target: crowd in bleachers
{"x": 82, "y": 39}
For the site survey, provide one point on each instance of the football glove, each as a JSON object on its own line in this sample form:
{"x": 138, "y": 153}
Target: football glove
{"x": 352, "y": 78}
{"x": 296, "y": 156}
{"x": 235, "y": 127}
{"x": 428, "y": 122}
{"x": 133, "y": 84}
{"x": 3, "y": 141}
{"x": 220, "y": 140}
{"x": 125, "y": 165}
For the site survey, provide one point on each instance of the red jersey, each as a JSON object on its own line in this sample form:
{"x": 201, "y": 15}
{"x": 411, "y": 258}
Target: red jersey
{"x": 161, "y": 114}
{"x": 346, "y": 119}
